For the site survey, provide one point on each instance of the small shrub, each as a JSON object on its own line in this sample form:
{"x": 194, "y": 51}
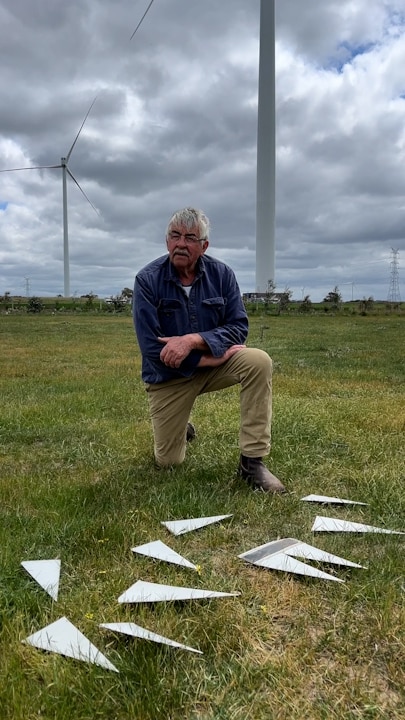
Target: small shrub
{"x": 35, "y": 305}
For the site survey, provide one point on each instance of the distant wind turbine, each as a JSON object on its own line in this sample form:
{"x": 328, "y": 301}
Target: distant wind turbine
{"x": 353, "y": 286}
{"x": 65, "y": 171}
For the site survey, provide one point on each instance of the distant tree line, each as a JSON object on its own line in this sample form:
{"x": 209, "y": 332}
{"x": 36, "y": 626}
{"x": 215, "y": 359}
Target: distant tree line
{"x": 277, "y": 303}
{"x": 119, "y": 303}
{"x": 269, "y": 303}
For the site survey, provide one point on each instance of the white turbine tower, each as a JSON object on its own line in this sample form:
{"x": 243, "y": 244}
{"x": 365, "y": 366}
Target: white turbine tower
{"x": 266, "y": 152}
{"x": 65, "y": 171}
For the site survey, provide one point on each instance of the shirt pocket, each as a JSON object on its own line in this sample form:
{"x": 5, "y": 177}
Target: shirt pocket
{"x": 170, "y": 314}
{"x": 214, "y": 311}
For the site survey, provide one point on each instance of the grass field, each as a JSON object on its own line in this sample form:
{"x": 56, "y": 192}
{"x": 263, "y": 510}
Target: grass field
{"x": 77, "y": 481}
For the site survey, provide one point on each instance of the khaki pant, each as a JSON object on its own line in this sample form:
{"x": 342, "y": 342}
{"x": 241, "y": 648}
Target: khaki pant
{"x": 171, "y": 403}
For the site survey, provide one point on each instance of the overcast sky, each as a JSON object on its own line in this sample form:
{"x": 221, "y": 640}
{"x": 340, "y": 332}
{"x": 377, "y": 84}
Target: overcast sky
{"x": 175, "y": 124}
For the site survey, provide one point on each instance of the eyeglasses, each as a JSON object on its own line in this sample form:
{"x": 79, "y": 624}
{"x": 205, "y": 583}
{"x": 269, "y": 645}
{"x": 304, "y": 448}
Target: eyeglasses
{"x": 189, "y": 238}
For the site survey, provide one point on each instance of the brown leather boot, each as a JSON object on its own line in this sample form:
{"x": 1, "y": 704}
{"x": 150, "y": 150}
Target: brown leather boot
{"x": 258, "y": 476}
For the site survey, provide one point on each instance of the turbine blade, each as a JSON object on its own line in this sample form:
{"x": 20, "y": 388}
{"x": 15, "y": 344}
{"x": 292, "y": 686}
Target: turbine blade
{"x": 35, "y": 167}
{"x": 80, "y": 129}
{"x": 142, "y": 19}
{"x": 82, "y": 191}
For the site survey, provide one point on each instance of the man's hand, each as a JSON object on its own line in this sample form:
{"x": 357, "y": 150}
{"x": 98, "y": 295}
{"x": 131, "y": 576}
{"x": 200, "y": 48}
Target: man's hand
{"x": 177, "y": 347}
{"x": 211, "y": 361}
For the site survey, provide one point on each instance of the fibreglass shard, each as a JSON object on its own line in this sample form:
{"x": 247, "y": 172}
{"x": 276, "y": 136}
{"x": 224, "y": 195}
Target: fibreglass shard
{"x": 64, "y": 638}
{"x": 128, "y": 628}
{"x": 179, "y": 527}
{"x": 141, "y": 592}
{"x": 331, "y": 500}
{"x": 160, "y": 551}
{"x": 285, "y": 563}
{"x": 46, "y": 573}
{"x": 273, "y": 555}
{"x": 294, "y": 548}
{"x": 326, "y": 524}
{"x": 308, "y": 552}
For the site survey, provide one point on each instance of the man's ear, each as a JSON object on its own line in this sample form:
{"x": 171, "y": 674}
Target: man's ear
{"x": 205, "y": 245}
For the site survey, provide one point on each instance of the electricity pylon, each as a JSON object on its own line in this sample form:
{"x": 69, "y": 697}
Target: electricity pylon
{"x": 393, "y": 292}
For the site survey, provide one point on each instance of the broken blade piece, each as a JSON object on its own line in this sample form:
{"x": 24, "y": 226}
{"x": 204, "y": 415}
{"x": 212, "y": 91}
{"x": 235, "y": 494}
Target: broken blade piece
{"x": 64, "y": 638}
{"x": 160, "y": 551}
{"x": 270, "y": 548}
{"x": 179, "y": 527}
{"x": 128, "y": 628}
{"x": 143, "y": 591}
{"x": 309, "y": 552}
{"x": 331, "y": 500}
{"x": 292, "y": 548}
{"x": 326, "y": 524}
{"x": 46, "y": 573}
{"x": 285, "y": 563}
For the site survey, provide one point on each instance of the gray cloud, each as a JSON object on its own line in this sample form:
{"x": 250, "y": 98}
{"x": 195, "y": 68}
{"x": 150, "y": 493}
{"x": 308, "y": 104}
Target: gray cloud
{"x": 174, "y": 124}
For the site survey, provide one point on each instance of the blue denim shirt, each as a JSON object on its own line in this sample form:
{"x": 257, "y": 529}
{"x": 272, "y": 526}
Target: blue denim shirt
{"x": 161, "y": 308}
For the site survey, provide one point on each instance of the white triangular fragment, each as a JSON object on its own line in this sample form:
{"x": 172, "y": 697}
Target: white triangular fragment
{"x": 326, "y": 524}
{"x": 308, "y": 552}
{"x": 331, "y": 500}
{"x": 271, "y": 548}
{"x": 128, "y": 628}
{"x": 160, "y": 551}
{"x": 277, "y": 553}
{"x": 284, "y": 563}
{"x": 178, "y": 527}
{"x": 64, "y": 638}
{"x": 142, "y": 591}
{"x": 46, "y": 573}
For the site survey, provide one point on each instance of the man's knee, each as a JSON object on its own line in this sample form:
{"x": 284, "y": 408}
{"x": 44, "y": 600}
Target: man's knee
{"x": 170, "y": 452}
{"x": 259, "y": 360}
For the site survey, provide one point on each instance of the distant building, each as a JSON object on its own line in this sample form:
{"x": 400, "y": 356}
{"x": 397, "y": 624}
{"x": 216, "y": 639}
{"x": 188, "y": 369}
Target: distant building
{"x": 264, "y": 297}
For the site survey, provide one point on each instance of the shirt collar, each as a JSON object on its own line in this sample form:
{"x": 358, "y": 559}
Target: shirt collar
{"x": 172, "y": 274}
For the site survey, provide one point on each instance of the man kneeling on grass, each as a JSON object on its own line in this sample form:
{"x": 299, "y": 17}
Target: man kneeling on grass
{"x": 191, "y": 326}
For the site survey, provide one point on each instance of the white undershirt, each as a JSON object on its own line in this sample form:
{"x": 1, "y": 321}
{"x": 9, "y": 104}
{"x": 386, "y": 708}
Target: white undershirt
{"x": 187, "y": 289}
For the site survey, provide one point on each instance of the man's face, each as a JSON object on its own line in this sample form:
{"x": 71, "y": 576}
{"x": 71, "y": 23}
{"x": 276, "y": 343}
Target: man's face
{"x": 185, "y": 247}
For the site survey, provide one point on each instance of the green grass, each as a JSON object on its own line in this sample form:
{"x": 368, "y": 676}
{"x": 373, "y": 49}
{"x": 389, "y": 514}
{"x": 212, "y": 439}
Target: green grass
{"x": 77, "y": 481}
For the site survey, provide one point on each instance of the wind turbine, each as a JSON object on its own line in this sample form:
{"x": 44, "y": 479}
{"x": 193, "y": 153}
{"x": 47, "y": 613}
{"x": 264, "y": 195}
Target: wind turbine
{"x": 266, "y": 151}
{"x": 352, "y": 284}
{"x": 65, "y": 171}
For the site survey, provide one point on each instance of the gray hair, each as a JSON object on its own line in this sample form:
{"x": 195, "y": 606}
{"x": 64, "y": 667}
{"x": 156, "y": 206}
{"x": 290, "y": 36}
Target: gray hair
{"x": 190, "y": 217}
